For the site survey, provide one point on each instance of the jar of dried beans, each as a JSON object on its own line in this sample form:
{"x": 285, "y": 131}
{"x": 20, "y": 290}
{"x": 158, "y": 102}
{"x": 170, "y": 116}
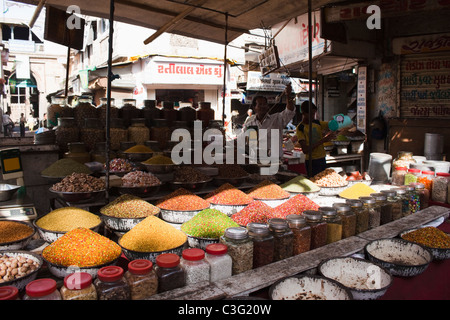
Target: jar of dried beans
{"x": 78, "y": 286}
{"x": 318, "y": 228}
{"x": 395, "y": 203}
{"x": 284, "y": 238}
{"x": 142, "y": 279}
{"x": 334, "y": 224}
{"x": 384, "y": 206}
{"x": 398, "y": 176}
{"x": 439, "y": 189}
{"x": 111, "y": 284}
{"x": 138, "y": 132}
{"x": 301, "y": 231}
{"x": 424, "y": 195}
{"x": 219, "y": 261}
{"x": 66, "y": 132}
{"x": 402, "y": 196}
{"x": 169, "y": 272}
{"x": 240, "y": 248}
{"x": 129, "y": 111}
{"x": 91, "y": 133}
{"x": 370, "y": 204}
{"x": 84, "y": 109}
{"x": 101, "y": 110}
{"x": 263, "y": 243}
{"x": 362, "y": 215}
{"x": 196, "y": 269}
{"x": 117, "y": 133}
{"x": 348, "y": 218}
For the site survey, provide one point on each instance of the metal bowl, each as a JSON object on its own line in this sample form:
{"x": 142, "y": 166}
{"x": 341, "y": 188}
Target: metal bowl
{"x": 273, "y": 203}
{"x": 51, "y": 236}
{"x": 309, "y": 287}
{"x": 52, "y": 180}
{"x": 120, "y": 224}
{"x": 332, "y": 191}
{"x": 309, "y": 194}
{"x": 21, "y": 243}
{"x": 365, "y": 280}
{"x": 399, "y": 257}
{"x": 192, "y": 186}
{"x": 134, "y": 255}
{"x": 199, "y": 242}
{"x": 366, "y": 182}
{"x": 21, "y": 283}
{"x": 78, "y": 197}
{"x": 143, "y": 192}
{"x": 159, "y": 168}
{"x": 176, "y": 216}
{"x": 438, "y": 253}
{"x": 236, "y": 181}
{"x": 228, "y": 209}
{"x": 7, "y": 191}
{"x": 138, "y": 156}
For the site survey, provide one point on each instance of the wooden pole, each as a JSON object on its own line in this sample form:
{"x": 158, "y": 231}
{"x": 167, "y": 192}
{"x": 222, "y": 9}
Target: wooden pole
{"x": 310, "y": 28}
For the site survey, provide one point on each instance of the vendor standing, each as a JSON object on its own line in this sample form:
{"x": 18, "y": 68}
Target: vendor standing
{"x": 261, "y": 119}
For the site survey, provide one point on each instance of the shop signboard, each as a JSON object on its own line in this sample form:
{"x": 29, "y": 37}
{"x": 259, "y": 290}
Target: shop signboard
{"x": 361, "y": 102}
{"x": 421, "y": 44}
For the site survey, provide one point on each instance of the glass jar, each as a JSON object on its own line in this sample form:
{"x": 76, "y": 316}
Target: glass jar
{"x": 404, "y": 159}
{"x": 91, "y": 133}
{"x": 187, "y": 114}
{"x": 101, "y": 111}
{"x": 403, "y": 197}
{"x": 169, "y": 272}
{"x": 84, "y": 109}
{"x": 362, "y": 215}
{"x": 373, "y": 210}
{"x": 302, "y": 233}
{"x": 117, "y": 133}
{"x": 283, "y": 238}
{"x": 138, "y": 132}
{"x": 424, "y": 195}
{"x": 78, "y": 286}
{"x": 196, "y": 269}
{"x": 129, "y": 111}
{"x": 169, "y": 113}
{"x": 220, "y": 262}
{"x": 439, "y": 189}
{"x": 413, "y": 198}
{"x": 160, "y": 132}
{"x": 426, "y": 178}
{"x": 318, "y": 228}
{"x": 205, "y": 113}
{"x": 348, "y": 218}
{"x": 394, "y": 201}
{"x": 150, "y": 112}
{"x": 142, "y": 279}
{"x": 77, "y": 151}
{"x": 66, "y": 132}
{"x": 9, "y": 293}
{"x": 42, "y": 289}
{"x": 240, "y": 248}
{"x": 111, "y": 284}
{"x": 334, "y": 224}
{"x": 55, "y": 110}
{"x": 398, "y": 176}
{"x": 411, "y": 176}
{"x": 263, "y": 243}
{"x": 385, "y": 207}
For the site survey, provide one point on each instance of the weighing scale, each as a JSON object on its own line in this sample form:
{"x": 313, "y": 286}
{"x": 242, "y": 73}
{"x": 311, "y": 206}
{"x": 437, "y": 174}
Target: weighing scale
{"x": 20, "y": 206}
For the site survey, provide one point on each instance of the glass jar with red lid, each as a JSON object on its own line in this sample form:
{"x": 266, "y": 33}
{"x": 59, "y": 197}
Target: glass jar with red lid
{"x": 426, "y": 178}
{"x": 196, "y": 269}
{"x": 142, "y": 279}
{"x": 9, "y": 293}
{"x": 411, "y": 176}
{"x": 78, "y": 286}
{"x": 169, "y": 272}
{"x": 111, "y": 284}
{"x": 42, "y": 289}
{"x": 398, "y": 176}
{"x": 219, "y": 261}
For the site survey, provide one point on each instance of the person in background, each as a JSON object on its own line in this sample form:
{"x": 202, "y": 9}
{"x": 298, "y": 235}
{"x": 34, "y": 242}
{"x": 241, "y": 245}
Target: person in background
{"x": 22, "y": 122}
{"x": 249, "y": 114}
{"x": 30, "y": 122}
{"x": 43, "y": 122}
{"x": 320, "y": 135}
{"x": 8, "y": 124}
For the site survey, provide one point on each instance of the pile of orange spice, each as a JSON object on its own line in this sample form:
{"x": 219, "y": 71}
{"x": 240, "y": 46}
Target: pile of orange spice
{"x": 429, "y": 236}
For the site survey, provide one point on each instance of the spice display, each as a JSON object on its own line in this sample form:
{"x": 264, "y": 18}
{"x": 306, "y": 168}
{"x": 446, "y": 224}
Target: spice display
{"x": 229, "y": 195}
{"x": 426, "y": 178}
{"x": 267, "y": 190}
{"x": 300, "y": 184}
{"x": 240, "y": 248}
{"x": 334, "y": 224}
{"x": 65, "y": 167}
{"x": 356, "y": 191}
{"x": 120, "y": 165}
{"x": 414, "y": 198}
{"x": 169, "y": 272}
{"x": 263, "y": 243}
{"x": 78, "y": 286}
{"x": 362, "y": 215}
{"x": 14, "y": 267}
{"x": 83, "y": 248}
{"x": 302, "y": 233}
{"x": 385, "y": 207}
{"x": 295, "y": 205}
{"x": 348, "y": 218}
{"x": 42, "y": 289}
{"x": 196, "y": 269}
{"x": 373, "y": 210}
{"x": 188, "y": 174}
{"x": 182, "y": 200}
{"x": 139, "y": 148}
{"x": 439, "y": 189}
{"x": 411, "y": 176}
{"x": 66, "y": 132}
{"x": 257, "y": 211}
{"x": 13, "y": 231}
{"x": 140, "y": 179}
{"x": 158, "y": 159}
{"x": 111, "y": 284}
{"x": 429, "y": 236}
{"x": 283, "y": 239}
{"x": 395, "y": 202}
{"x": 318, "y": 228}
{"x": 79, "y": 182}
{"x": 424, "y": 194}
{"x": 219, "y": 261}
{"x": 141, "y": 279}
{"x": 138, "y": 132}
{"x": 208, "y": 223}
{"x": 68, "y": 218}
{"x": 398, "y": 176}
{"x": 231, "y": 171}
{"x": 329, "y": 178}
{"x": 151, "y": 235}
{"x": 129, "y": 206}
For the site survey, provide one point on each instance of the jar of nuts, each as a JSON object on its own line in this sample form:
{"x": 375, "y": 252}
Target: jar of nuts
{"x": 117, "y": 133}
{"x": 101, "y": 110}
{"x": 92, "y": 132}
{"x": 138, "y": 132}
{"x": 66, "y": 132}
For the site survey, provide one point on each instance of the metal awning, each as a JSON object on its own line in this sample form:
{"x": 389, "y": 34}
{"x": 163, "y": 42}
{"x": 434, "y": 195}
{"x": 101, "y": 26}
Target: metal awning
{"x": 200, "y": 19}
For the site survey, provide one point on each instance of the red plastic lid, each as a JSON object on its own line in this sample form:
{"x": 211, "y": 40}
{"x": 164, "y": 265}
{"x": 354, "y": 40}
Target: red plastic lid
{"x": 77, "y": 281}
{"x": 401, "y": 168}
{"x": 167, "y": 260}
{"x": 216, "y": 248}
{"x": 140, "y": 266}
{"x": 193, "y": 254}
{"x": 9, "y": 293}
{"x": 428, "y": 172}
{"x": 413, "y": 170}
{"x": 443, "y": 174}
{"x": 110, "y": 273}
{"x": 40, "y": 287}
